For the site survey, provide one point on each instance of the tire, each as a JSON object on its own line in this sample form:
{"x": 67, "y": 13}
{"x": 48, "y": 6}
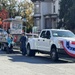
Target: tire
{"x": 54, "y": 54}
{"x": 30, "y": 52}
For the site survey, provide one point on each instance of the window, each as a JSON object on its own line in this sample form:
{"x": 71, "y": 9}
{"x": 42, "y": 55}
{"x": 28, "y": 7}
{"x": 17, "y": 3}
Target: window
{"x": 37, "y": 8}
{"x": 43, "y": 34}
{"x": 54, "y": 9}
{"x": 37, "y": 23}
{"x": 62, "y": 34}
{"x": 48, "y": 34}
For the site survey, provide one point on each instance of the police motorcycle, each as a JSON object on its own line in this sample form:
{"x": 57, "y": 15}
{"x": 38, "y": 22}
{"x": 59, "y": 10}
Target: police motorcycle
{"x": 9, "y": 44}
{"x": 6, "y": 44}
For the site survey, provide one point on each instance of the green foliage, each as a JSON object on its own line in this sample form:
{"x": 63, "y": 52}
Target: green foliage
{"x": 23, "y": 8}
{"x": 64, "y": 7}
{"x": 65, "y": 13}
{"x": 70, "y": 21}
{"x": 11, "y": 8}
{"x": 26, "y": 11}
{"x": 9, "y": 5}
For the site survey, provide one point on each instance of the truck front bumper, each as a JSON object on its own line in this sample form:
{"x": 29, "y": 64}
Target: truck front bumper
{"x": 62, "y": 53}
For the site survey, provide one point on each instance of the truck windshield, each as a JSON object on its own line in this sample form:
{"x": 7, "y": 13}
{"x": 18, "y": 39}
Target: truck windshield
{"x": 62, "y": 33}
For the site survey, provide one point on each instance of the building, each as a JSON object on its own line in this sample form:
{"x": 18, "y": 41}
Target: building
{"x": 46, "y": 13}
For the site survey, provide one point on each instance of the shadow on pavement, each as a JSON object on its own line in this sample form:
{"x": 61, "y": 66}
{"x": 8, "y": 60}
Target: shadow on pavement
{"x": 15, "y": 52}
{"x": 2, "y": 52}
{"x": 38, "y": 59}
{"x": 35, "y": 60}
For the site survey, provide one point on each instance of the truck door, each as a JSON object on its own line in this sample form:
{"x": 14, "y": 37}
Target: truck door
{"x": 46, "y": 41}
{"x": 40, "y": 40}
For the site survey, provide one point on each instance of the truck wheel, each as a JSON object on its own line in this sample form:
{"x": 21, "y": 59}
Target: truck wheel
{"x": 54, "y": 54}
{"x": 30, "y": 52}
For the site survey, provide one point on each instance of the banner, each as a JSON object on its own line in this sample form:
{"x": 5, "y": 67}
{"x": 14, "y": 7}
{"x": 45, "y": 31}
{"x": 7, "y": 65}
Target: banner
{"x": 69, "y": 47}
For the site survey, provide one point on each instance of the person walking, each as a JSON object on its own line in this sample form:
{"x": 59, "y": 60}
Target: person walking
{"x": 23, "y": 44}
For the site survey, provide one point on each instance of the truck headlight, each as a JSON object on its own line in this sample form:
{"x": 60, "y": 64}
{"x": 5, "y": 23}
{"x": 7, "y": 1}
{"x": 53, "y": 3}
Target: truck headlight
{"x": 60, "y": 43}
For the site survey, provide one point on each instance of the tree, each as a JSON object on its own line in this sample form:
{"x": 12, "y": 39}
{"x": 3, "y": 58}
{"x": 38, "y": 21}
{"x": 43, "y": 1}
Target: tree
{"x": 3, "y": 4}
{"x": 70, "y": 21}
{"x": 65, "y": 6}
{"x": 23, "y": 9}
{"x": 26, "y": 11}
{"x": 9, "y": 5}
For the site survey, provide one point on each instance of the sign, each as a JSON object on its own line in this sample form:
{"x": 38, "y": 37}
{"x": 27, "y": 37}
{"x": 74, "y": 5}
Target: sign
{"x": 16, "y": 27}
{"x": 16, "y": 31}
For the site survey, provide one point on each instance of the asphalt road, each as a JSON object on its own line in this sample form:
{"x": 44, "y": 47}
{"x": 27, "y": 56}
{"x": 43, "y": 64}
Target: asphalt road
{"x": 16, "y": 64}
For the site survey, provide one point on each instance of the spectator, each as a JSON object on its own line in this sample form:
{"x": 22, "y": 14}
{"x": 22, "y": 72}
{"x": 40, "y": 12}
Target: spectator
{"x": 23, "y": 44}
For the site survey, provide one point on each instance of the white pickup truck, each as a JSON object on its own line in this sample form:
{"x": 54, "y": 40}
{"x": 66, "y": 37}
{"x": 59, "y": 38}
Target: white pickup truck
{"x": 56, "y": 42}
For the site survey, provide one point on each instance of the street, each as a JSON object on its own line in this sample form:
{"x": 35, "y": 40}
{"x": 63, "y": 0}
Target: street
{"x": 16, "y": 64}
